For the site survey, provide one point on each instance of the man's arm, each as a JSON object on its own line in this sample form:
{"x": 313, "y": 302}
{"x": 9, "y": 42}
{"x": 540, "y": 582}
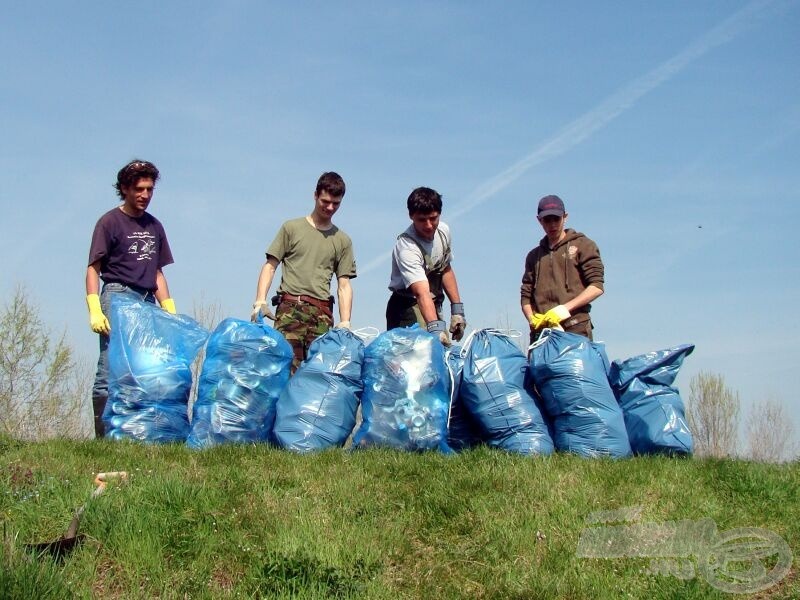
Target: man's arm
{"x": 344, "y": 292}
{"x": 450, "y": 285}
{"x": 458, "y": 322}
{"x": 93, "y": 278}
{"x": 265, "y": 278}
{"x": 592, "y": 272}
{"x": 526, "y": 289}
{"x": 162, "y": 289}
{"x": 97, "y": 320}
{"x": 422, "y": 292}
{"x": 527, "y": 310}
{"x": 591, "y": 293}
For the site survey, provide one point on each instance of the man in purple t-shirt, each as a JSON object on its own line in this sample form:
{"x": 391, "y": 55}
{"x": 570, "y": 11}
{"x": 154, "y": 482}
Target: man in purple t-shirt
{"x": 129, "y": 248}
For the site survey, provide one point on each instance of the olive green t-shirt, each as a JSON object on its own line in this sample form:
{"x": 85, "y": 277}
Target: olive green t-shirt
{"x": 310, "y": 258}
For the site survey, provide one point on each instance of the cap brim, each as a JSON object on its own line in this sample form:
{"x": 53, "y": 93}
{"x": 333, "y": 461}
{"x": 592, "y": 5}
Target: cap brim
{"x": 551, "y": 213}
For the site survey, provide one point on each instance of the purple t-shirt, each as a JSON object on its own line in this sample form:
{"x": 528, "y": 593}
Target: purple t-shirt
{"x": 130, "y": 249}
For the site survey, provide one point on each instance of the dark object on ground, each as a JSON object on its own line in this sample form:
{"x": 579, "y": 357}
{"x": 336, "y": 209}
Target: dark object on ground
{"x": 59, "y": 549}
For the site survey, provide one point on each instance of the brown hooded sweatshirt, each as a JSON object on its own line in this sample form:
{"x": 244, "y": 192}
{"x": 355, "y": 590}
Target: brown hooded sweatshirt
{"x": 556, "y": 276}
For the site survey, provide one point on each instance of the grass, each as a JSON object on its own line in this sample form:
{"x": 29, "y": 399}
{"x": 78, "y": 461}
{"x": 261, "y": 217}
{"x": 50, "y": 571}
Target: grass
{"x": 255, "y": 522}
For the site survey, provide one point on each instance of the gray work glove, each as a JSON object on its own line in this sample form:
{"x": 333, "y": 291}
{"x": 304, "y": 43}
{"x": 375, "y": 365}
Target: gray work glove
{"x": 458, "y": 323}
{"x": 260, "y": 309}
{"x": 438, "y": 328}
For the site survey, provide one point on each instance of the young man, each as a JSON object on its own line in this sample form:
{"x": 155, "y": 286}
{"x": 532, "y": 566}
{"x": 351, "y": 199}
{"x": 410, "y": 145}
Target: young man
{"x": 563, "y": 275}
{"x": 128, "y": 251}
{"x": 421, "y": 271}
{"x": 312, "y": 249}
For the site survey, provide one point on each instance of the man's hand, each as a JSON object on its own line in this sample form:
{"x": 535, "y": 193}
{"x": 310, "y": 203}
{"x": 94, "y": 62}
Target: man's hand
{"x": 168, "y": 304}
{"x": 458, "y": 323}
{"x": 343, "y": 325}
{"x": 438, "y": 328}
{"x": 97, "y": 319}
{"x": 260, "y": 308}
{"x": 554, "y": 316}
{"x": 537, "y": 321}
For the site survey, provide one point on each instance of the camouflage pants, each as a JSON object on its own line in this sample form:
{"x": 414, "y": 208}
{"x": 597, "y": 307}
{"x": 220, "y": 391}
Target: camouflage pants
{"x": 301, "y": 324}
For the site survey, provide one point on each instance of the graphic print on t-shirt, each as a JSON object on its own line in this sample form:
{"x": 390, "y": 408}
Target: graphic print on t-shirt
{"x": 143, "y": 245}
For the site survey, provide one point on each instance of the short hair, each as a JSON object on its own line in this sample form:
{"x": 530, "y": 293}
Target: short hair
{"x": 332, "y": 183}
{"x": 131, "y": 173}
{"x": 424, "y": 200}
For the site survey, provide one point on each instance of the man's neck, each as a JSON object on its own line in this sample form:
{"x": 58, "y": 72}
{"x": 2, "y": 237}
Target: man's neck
{"x": 131, "y": 212}
{"x": 319, "y": 223}
{"x": 555, "y": 242}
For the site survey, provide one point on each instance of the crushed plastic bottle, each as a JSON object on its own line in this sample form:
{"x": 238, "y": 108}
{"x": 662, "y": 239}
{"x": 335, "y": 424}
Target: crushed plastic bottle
{"x": 407, "y": 392}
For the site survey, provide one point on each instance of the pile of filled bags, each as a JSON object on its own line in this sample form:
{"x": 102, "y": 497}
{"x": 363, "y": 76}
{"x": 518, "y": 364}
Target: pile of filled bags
{"x": 414, "y": 393}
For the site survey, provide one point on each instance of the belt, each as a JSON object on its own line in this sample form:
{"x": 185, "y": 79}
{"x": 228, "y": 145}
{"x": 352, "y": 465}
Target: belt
{"x": 575, "y": 319}
{"x": 303, "y": 299}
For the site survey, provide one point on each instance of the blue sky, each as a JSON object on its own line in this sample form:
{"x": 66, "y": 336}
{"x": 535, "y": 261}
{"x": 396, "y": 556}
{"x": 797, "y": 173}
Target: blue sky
{"x": 671, "y": 130}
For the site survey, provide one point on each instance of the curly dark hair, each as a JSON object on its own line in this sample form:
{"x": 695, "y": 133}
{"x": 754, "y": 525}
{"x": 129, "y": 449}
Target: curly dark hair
{"x": 131, "y": 173}
{"x": 424, "y": 200}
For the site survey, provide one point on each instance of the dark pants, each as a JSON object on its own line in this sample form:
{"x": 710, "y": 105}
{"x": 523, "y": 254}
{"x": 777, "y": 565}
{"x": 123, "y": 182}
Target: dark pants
{"x": 403, "y": 311}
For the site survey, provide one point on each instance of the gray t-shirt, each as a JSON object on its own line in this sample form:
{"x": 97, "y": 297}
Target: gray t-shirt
{"x": 409, "y": 264}
{"x": 310, "y": 258}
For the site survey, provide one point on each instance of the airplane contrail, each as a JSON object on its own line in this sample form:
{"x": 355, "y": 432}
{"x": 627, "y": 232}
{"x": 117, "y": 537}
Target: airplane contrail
{"x": 584, "y": 126}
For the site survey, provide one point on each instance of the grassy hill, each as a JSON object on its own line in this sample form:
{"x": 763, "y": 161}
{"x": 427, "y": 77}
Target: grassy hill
{"x": 255, "y": 522}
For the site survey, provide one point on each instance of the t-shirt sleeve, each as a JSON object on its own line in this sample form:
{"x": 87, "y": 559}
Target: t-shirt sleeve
{"x": 279, "y": 245}
{"x": 165, "y": 255}
{"x": 346, "y": 266}
{"x": 410, "y": 261}
{"x": 98, "y": 249}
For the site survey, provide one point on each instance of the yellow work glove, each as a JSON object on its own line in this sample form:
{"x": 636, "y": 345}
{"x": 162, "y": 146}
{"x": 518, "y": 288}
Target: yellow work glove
{"x": 457, "y": 321}
{"x": 168, "y": 304}
{"x": 437, "y": 328}
{"x": 97, "y": 319}
{"x": 537, "y": 320}
{"x": 260, "y": 308}
{"x": 554, "y": 316}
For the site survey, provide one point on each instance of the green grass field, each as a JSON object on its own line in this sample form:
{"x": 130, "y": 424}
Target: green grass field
{"x": 255, "y": 522}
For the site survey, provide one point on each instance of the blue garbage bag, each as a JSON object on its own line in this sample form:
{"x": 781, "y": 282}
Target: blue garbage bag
{"x": 406, "y": 396}
{"x": 245, "y": 369}
{"x": 655, "y": 415}
{"x": 317, "y": 408}
{"x": 493, "y": 390}
{"x": 570, "y": 373}
{"x": 463, "y": 431}
{"x": 150, "y": 353}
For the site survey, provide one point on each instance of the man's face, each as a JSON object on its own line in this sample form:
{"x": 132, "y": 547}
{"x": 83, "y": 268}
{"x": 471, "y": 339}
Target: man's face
{"x": 327, "y": 205}
{"x": 138, "y": 195}
{"x": 553, "y": 225}
{"x": 425, "y": 224}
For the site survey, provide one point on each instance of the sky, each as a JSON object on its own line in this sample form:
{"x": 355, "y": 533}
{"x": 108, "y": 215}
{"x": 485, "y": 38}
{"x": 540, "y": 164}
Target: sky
{"x": 671, "y": 130}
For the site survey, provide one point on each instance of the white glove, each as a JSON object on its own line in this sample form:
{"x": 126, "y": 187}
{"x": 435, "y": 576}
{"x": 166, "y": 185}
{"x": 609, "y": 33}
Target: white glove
{"x": 260, "y": 308}
{"x": 343, "y": 325}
